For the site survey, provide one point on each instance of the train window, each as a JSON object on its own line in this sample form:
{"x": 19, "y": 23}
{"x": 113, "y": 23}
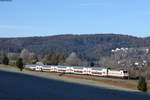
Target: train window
{"x": 125, "y": 72}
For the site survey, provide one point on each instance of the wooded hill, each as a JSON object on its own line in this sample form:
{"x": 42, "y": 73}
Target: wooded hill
{"x": 88, "y": 47}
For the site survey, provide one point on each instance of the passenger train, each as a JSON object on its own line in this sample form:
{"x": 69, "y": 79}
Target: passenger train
{"x": 96, "y": 71}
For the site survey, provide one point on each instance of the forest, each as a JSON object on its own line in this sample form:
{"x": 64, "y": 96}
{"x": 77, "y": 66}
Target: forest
{"x": 88, "y": 47}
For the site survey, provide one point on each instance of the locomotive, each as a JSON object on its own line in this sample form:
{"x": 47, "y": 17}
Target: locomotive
{"x": 96, "y": 71}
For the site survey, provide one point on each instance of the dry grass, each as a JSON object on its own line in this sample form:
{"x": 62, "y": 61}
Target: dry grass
{"x": 113, "y": 83}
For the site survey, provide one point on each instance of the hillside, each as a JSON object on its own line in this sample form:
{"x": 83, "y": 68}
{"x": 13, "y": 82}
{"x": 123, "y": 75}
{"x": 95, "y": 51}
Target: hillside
{"x": 89, "y": 47}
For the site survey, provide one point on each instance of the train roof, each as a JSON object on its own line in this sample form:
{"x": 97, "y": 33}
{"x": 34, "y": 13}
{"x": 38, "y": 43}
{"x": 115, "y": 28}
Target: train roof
{"x": 31, "y": 65}
{"x": 77, "y": 67}
{"x": 60, "y": 66}
{"x": 55, "y": 66}
{"x": 98, "y": 68}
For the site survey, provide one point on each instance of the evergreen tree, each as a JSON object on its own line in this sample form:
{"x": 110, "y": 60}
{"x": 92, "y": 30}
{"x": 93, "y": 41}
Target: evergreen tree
{"x": 19, "y": 64}
{"x": 92, "y": 64}
{"x": 5, "y": 60}
{"x": 142, "y": 85}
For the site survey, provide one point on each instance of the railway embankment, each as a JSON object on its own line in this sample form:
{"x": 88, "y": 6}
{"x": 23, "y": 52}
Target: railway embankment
{"x": 111, "y": 83}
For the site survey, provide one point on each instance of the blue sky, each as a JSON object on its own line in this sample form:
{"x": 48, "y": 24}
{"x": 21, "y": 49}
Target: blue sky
{"x": 21, "y": 18}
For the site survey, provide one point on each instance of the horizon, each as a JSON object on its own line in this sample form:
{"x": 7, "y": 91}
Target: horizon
{"x": 48, "y": 18}
{"x": 73, "y": 34}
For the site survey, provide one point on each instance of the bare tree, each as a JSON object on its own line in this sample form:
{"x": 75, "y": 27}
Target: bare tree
{"x": 12, "y": 56}
{"x": 73, "y": 59}
{"x": 25, "y": 54}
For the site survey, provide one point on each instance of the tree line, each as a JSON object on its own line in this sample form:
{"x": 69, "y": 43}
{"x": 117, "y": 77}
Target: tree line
{"x": 54, "y": 58}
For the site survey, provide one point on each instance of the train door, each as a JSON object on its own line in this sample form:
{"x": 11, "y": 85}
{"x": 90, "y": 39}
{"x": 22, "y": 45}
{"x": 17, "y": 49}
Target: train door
{"x": 71, "y": 70}
{"x": 104, "y": 72}
{"x": 67, "y": 69}
{"x": 54, "y": 69}
{"x": 85, "y": 70}
{"x": 89, "y": 71}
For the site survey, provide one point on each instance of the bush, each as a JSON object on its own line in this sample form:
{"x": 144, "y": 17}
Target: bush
{"x": 142, "y": 85}
{"x": 92, "y": 64}
{"x": 19, "y": 64}
{"x": 5, "y": 60}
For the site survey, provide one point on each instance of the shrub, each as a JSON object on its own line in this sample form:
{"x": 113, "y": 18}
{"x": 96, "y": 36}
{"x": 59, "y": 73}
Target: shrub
{"x": 19, "y": 64}
{"x": 92, "y": 64}
{"x": 142, "y": 85}
{"x": 5, "y": 60}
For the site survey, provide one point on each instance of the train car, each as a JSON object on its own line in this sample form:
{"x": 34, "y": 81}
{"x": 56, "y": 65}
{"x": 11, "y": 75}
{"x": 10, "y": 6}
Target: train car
{"x": 117, "y": 73}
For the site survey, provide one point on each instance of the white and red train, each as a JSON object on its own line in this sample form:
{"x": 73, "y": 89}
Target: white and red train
{"x": 97, "y": 71}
